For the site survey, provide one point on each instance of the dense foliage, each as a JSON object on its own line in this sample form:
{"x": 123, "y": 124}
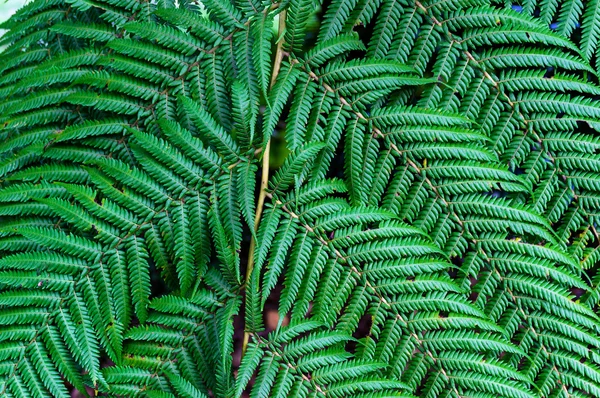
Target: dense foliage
{"x": 414, "y": 184}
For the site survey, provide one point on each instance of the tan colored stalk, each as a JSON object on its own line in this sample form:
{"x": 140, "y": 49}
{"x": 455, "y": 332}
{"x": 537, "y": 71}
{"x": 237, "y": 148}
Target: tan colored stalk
{"x": 264, "y": 179}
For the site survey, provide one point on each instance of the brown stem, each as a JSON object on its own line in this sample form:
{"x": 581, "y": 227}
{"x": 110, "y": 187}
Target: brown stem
{"x": 264, "y": 180}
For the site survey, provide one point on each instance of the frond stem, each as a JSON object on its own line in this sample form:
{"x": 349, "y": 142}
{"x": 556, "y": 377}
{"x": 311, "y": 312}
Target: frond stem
{"x": 264, "y": 180}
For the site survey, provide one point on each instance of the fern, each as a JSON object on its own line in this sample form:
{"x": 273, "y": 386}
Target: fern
{"x": 340, "y": 198}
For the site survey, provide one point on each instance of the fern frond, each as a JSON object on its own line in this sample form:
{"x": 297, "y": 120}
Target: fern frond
{"x": 425, "y": 222}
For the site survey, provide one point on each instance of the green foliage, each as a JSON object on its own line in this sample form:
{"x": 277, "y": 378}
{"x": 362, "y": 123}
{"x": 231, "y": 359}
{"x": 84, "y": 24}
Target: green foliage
{"x": 431, "y": 231}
